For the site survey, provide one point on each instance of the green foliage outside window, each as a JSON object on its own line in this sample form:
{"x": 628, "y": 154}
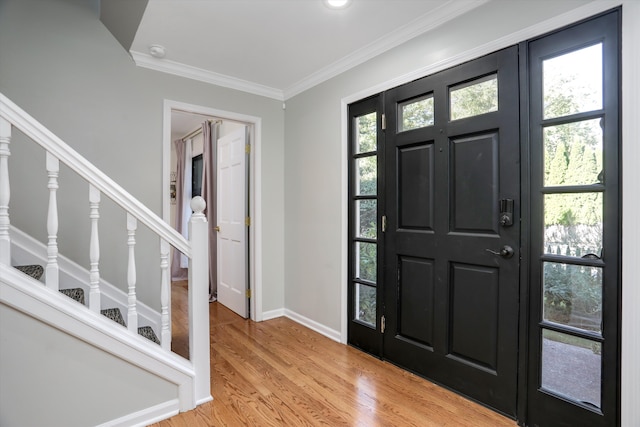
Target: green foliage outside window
{"x": 573, "y": 155}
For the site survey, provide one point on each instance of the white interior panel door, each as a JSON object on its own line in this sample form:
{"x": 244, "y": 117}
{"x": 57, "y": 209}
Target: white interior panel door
{"x": 232, "y": 213}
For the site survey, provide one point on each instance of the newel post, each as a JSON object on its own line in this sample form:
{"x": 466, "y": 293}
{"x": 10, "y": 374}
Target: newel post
{"x": 5, "y": 192}
{"x": 199, "y": 300}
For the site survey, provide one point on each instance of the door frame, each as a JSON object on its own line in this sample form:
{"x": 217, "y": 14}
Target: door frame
{"x": 255, "y": 187}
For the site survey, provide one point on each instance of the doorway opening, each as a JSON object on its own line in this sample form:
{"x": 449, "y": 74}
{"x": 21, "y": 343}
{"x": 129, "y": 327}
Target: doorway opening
{"x": 185, "y": 121}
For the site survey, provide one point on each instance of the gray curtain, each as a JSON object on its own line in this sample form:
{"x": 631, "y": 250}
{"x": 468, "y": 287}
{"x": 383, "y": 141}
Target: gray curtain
{"x": 178, "y": 273}
{"x": 210, "y": 135}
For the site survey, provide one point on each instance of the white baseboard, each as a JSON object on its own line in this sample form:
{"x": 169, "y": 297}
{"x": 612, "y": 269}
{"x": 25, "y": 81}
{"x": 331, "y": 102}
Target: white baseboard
{"x": 304, "y": 321}
{"x": 313, "y": 325}
{"x": 272, "y": 314}
{"x": 146, "y": 416}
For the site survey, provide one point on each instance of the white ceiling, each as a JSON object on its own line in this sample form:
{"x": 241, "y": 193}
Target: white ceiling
{"x": 278, "y": 48}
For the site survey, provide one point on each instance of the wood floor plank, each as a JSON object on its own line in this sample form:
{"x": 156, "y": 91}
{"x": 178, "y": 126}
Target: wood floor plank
{"x": 279, "y": 373}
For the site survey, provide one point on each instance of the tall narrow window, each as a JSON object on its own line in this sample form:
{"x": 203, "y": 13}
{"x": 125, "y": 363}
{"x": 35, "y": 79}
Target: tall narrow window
{"x": 575, "y": 224}
{"x": 364, "y": 224}
{"x": 366, "y": 218}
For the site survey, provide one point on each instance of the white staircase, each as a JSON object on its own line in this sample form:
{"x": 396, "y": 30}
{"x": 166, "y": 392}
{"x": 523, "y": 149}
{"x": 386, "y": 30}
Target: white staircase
{"x": 23, "y": 295}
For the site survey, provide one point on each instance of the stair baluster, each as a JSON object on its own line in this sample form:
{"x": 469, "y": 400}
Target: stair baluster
{"x": 94, "y": 250}
{"x": 132, "y": 311}
{"x": 165, "y": 328}
{"x": 5, "y": 192}
{"x": 53, "y": 170}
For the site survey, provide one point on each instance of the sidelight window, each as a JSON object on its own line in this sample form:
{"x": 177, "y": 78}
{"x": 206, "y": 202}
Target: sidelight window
{"x": 573, "y": 206}
{"x": 364, "y": 218}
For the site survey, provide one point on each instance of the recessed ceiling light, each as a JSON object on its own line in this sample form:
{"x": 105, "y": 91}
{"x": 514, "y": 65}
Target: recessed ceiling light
{"x": 337, "y": 4}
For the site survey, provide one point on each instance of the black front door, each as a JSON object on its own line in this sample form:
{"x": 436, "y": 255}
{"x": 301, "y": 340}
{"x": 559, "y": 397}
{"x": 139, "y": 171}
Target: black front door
{"x": 451, "y": 280}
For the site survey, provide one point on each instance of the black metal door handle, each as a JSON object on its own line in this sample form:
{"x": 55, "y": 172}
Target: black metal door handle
{"x": 505, "y": 252}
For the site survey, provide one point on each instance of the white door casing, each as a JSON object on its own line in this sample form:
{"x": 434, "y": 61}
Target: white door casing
{"x": 231, "y": 205}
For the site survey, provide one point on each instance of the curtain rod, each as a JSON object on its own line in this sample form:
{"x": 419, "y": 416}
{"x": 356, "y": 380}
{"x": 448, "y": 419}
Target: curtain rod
{"x": 199, "y": 130}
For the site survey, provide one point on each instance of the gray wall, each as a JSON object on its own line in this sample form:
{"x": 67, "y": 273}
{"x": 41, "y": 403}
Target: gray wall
{"x": 60, "y": 64}
{"x": 313, "y": 139}
{"x": 49, "y": 378}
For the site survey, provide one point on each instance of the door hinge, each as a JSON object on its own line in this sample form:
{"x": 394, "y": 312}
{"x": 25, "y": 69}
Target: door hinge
{"x": 384, "y": 122}
{"x": 248, "y": 293}
{"x": 384, "y": 223}
{"x": 247, "y": 221}
{"x": 383, "y": 324}
{"x": 247, "y": 148}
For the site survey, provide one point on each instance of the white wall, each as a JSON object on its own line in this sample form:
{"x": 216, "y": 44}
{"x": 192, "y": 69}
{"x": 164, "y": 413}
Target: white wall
{"x": 315, "y": 157}
{"x": 60, "y": 64}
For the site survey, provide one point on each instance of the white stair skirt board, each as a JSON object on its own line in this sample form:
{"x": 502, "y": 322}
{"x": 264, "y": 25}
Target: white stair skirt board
{"x": 26, "y": 250}
{"x": 146, "y": 416}
{"x": 59, "y": 311}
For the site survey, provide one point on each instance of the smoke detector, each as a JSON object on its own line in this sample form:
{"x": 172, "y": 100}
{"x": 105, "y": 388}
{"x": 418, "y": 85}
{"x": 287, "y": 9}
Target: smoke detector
{"x": 157, "y": 51}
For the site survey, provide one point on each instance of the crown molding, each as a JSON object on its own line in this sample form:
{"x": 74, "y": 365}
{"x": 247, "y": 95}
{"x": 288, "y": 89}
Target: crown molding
{"x": 418, "y": 26}
{"x": 422, "y": 24}
{"x": 178, "y": 69}
{"x": 574, "y": 15}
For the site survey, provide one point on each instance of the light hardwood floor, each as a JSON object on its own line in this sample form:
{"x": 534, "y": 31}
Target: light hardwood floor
{"x": 279, "y": 373}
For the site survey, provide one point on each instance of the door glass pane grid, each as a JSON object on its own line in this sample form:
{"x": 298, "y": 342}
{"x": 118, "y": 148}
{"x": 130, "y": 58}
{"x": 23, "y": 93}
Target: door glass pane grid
{"x": 572, "y": 367}
{"x": 366, "y": 261}
{"x": 366, "y": 219}
{"x": 572, "y": 83}
{"x": 573, "y": 224}
{"x": 366, "y": 175}
{"x": 416, "y": 113}
{"x": 474, "y": 98}
{"x": 572, "y": 295}
{"x": 364, "y": 212}
{"x": 366, "y": 133}
{"x": 365, "y": 300}
{"x": 573, "y": 153}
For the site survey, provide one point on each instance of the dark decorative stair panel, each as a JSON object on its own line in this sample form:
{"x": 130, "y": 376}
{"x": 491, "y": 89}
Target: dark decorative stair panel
{"x": 114, "y": 314}
{"x": 75, "y": 294}
{"x": 34, "y": 271}
{"x": 147, "y": 332}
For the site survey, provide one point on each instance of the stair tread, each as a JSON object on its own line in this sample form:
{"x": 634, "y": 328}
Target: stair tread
{"x": 34, "y": 270}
